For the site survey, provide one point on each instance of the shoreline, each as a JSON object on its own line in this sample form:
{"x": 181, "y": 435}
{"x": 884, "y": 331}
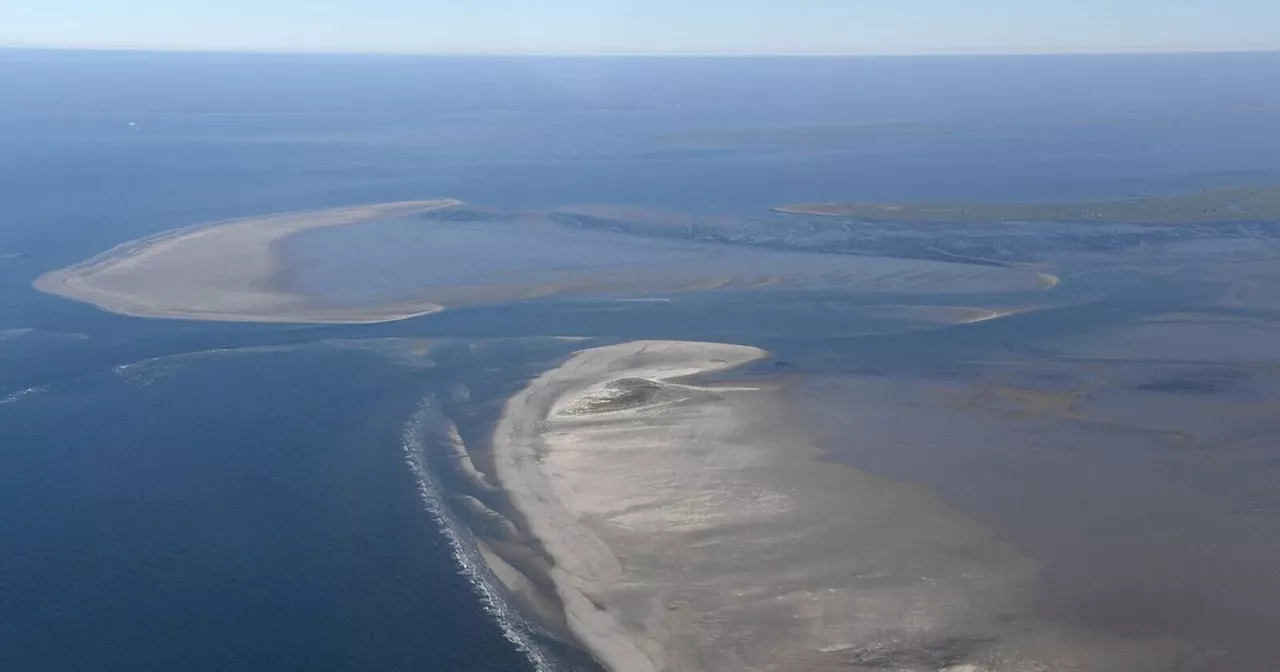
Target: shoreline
{"x": 224, "y": 271}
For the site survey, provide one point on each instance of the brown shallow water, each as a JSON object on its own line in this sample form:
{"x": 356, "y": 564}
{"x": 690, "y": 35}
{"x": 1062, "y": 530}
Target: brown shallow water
{"x": 1144, "y": 487}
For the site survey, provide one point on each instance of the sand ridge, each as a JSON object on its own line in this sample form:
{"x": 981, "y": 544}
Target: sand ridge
{"x": 585, "y": 564}
{"x": 224, "y": 271}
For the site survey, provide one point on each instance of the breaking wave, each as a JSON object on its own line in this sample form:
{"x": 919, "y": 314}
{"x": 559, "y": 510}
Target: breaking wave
{"x": 31, "y": 336}
{"x": 14, "y": 397}
{"x": 147, "y": 371}
{"x": 517, "y": 630}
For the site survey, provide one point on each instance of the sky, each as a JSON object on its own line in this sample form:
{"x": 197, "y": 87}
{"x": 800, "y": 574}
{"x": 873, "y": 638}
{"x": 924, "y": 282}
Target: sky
{"x": 645, "y": 26}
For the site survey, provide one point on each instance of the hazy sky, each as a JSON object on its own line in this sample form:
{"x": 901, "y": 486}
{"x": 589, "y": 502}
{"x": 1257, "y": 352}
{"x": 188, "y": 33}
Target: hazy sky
{"x": 645, "y": 26}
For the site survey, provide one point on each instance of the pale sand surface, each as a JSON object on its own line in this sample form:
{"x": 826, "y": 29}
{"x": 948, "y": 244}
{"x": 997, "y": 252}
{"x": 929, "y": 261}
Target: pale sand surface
{"x": 694, "y": 528}
{"x": 223, "y": 271}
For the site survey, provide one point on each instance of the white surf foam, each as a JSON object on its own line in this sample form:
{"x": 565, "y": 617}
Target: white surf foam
{"x": 14, "y": 397}
{"x": 517, "y": 630}
{"x": 14, "y": 334}
{"x": 146, "y": 371}
{"x": 41, "y": 337}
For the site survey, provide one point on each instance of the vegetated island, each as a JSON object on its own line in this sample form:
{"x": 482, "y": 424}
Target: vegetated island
{"x": 1236, "y": 205}
{"x": 225, "y": 271}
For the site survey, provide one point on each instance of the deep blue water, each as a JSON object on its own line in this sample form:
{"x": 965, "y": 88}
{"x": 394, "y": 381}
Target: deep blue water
{"x": 243, "y": 512}
{"x": 253, "y": 510}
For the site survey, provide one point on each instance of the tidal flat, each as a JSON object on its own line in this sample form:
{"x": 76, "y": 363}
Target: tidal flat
{"x": 868, "y": 461}
{"x": 1235, "y": 205}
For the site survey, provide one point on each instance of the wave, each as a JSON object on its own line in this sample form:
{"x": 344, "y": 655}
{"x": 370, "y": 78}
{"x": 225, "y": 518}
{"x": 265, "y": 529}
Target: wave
{"x": 14, "y": 397}
{"x": 146, "y": 371}
{"x": 14, "y": 334}
{"x": 40, "y": 336}
{"x": 515, "y": 628}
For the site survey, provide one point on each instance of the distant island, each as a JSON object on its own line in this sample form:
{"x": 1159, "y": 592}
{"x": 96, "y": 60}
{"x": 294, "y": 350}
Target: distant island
{"x": 1211, "y": 206}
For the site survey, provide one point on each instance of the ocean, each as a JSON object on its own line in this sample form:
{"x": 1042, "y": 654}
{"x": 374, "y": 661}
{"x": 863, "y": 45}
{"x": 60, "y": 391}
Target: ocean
{"x": 206, "y": 496}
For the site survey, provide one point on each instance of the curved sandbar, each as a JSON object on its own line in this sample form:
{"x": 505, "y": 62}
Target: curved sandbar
{"x": 225, "y": 271}
{"x": 693, "y": 528}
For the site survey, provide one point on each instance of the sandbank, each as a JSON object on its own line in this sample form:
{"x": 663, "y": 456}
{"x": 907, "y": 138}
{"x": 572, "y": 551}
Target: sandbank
{"x": 697, "y": 528}
{"x": 224, "y": 271}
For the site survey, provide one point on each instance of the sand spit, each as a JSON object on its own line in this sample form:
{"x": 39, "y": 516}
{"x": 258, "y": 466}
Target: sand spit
{"x": 225, "y": 271}
{"x": 694, "y": 528}
{"x": 948, "y": 315}
{"x": 988, "y": 314}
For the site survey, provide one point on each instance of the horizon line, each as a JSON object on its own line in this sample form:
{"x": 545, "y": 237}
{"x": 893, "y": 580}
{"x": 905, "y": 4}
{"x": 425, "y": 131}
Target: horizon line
{"x": 642, "y": 54}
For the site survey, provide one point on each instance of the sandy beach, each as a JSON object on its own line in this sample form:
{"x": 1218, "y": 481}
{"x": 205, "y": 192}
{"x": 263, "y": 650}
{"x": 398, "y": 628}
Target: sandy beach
{"x": 225, "y": 271}
{"x": 694, "y": 527}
